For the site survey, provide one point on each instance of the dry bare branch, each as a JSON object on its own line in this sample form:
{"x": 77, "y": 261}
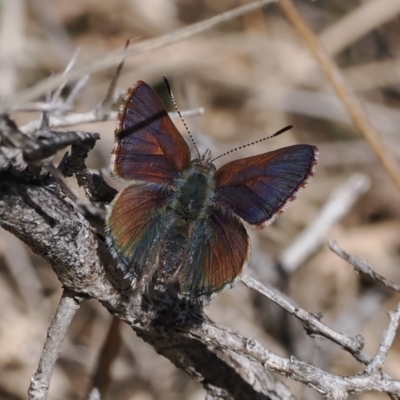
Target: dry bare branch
{"x": 356, "y": 24}
{"x": 115, "y": 57}
{"x": 337, "y": 206}
{"x": 362, "y": 267}
{"x": 57, "y": 94}
{"x": 92, "y": 116}
{"x": 311, "y": 322}
{"x": 81, "y": 261}
{"x": 54, "y": 228}
{"x": 40, "y": 382}
{"x": 35, "y": 209}
{"x": 375, "y": 366}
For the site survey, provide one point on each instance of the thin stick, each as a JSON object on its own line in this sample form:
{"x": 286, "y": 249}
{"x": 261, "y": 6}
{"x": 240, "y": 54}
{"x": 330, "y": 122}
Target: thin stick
{"x": 38, "y": 106}
{"x": 349, "y": 99}
{"x": 77, "y": 90}
{"x": 362, "y": 267}
{"x": 115, "y": 57}
{"x": 92, "y": 116}
{"x": 44, "y": 123}
{"x": 333, "y": 387}
{"x": 57, "y": 93}
{"x": 105, "y": 105}
{"x": 354, "y": 25}
{"x": 328, "y": 107}
{"x": 375, "y": 366}
{"x": 311, "y": 322}
{"x": 338, "y": 205}
{"x": 40, "y": 381}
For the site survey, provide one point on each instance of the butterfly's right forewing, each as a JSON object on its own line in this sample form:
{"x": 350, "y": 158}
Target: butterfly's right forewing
{"x": 257, "y": 188}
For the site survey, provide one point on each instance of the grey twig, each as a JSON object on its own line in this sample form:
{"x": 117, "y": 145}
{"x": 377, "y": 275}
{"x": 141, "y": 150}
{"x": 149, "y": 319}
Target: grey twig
{"x": 82, "y": 262}
{"x": 44, "y": 144}
{"x": 362, "y": 267}
{"x": 90, "y": 271}
{"x": 35, "y": 107}
{"x": 77, "y": 89}
{"x": 57, "y": 94}
{"x": 40, "y": 381}
{"x": 113, "y": 58}
{"x": 37, "y": 151}
{"x": 330, "y": 385}
{"x": 91, "y": 116}
{"x": 96, "y": 188}
{"x": 104, "y": 108}
{"x": 338, "y": 205}
{"x": 311, "y": 322}
{"x": 375, "y": 366}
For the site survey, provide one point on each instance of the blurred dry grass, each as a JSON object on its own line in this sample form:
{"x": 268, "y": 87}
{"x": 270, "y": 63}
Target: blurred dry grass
{"x": 253, "y": 76}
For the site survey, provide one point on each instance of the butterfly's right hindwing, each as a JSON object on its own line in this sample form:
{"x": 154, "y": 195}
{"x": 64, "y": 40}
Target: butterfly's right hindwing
{"x": 217, "y": 252}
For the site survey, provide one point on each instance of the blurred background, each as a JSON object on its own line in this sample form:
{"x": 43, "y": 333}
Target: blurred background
{"x": 253, "y": 76}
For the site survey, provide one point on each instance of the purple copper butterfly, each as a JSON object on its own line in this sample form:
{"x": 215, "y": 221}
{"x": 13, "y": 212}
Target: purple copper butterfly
{"x": 181, "y": 222}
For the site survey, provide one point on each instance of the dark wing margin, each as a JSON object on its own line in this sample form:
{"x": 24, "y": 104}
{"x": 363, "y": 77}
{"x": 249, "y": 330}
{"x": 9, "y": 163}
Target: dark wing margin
{"x": 219, "y": 250}
{"x": 148, "y": 147}
{"x": 257, "y": 188}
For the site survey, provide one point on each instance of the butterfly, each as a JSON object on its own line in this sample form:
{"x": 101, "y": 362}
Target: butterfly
{"x": 181, "y": 223}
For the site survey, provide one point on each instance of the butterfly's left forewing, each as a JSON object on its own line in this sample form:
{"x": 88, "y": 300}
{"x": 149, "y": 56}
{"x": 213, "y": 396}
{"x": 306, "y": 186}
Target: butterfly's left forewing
{"x": 257, "y": 188}
{"x": 148, "y": 146}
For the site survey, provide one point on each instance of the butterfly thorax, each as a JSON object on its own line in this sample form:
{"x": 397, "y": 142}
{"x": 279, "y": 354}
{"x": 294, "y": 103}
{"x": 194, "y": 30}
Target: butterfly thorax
{"x": 195, "y": 188}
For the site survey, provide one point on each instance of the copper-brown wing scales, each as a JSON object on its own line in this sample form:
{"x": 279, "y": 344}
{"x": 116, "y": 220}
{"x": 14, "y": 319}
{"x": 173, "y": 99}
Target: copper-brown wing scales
{"x": 257, "y": 188}
{"x": 136, "y": 222}
{"x": 148, "y": 146}
{"x": 218, "y": 251}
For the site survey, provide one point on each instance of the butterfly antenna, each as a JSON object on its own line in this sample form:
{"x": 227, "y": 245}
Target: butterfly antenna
{"x": 179, "y": 113}
{"x": 286, "y": 128}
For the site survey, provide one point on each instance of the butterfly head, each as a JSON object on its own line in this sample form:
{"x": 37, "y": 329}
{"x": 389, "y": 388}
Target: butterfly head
{"x": 203, "y": 167}
{"x": 206, "y": 157}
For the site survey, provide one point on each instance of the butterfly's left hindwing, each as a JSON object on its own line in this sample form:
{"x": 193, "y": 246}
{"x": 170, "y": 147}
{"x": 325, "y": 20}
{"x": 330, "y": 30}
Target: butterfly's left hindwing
{"x": 257, "y": 188}
{"x": 136, "y": 222}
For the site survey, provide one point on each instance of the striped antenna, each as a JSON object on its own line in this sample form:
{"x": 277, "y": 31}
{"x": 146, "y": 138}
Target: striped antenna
{"x": 179, "y": 113}
{"x": 286, "y": 128}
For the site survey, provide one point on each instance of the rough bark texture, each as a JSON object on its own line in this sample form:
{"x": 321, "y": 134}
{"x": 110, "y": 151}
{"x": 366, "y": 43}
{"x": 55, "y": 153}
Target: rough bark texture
{"x": 38, "y": 212}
